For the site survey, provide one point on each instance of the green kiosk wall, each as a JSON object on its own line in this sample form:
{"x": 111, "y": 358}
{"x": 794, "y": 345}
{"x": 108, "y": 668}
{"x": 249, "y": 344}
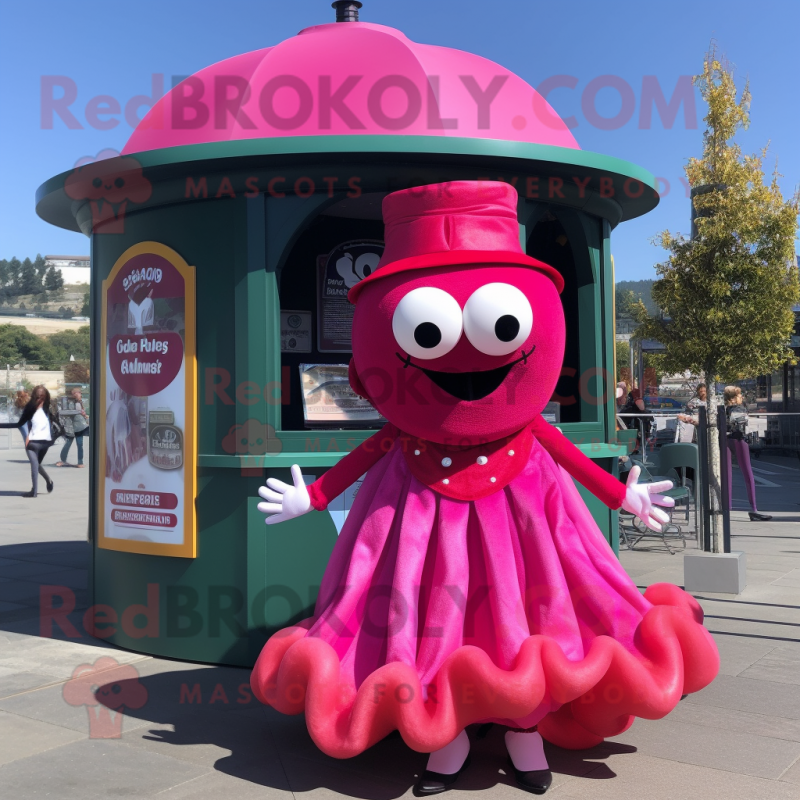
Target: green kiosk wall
{"x": 251, "y": 249}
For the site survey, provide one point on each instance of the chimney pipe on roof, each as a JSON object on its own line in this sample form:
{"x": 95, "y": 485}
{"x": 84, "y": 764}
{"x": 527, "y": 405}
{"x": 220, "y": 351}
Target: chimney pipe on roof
{"x": 346, "y": 10}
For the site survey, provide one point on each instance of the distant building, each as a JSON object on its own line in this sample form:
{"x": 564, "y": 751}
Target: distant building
{"x": 74, "y": 269}
{"x": 780, "y": 391}
{"x": 626, "y": 326}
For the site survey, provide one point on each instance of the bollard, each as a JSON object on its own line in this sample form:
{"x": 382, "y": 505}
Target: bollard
{"x": 722, "y": 427}
{"x": 704, "y": 492}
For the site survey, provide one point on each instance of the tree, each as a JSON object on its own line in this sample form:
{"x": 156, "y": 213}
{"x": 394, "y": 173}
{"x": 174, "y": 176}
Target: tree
{"x": 54, "y": 280}
{"x": 40, "y": 265}
{"x": 727, "y": 294}
{"x": 652, "y": 364}
{"x": 17, "y": 343}
{"x": 14, "y": 267}
{"x": 28, "y": 282}
{"x": 640, "y": 290}
{"x": 71, "y": 343}
{"x": 76, "y": 372}
{"x": 623, "y": 358}
{"x": 625, "y": 302}
{"x": 86, "y": 308}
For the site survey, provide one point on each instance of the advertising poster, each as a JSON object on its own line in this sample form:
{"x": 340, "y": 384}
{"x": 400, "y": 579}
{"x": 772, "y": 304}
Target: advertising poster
{"x": 329, "y": 400}
{"x": 337, "y": 273}
{"x": 148, "y": 381}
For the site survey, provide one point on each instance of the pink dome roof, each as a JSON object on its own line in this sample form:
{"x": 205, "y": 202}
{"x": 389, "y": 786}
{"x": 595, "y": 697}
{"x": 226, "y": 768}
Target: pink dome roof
{"x": 352, "y": 78}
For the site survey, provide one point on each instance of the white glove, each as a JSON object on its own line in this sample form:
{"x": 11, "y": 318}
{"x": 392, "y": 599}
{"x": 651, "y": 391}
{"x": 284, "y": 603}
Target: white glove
{"x": 641, "y": 499}
{"x": 284, "y": 501}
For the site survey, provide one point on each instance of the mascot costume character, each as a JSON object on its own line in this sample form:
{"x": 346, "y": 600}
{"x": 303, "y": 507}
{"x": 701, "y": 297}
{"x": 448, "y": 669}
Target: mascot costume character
{"x": 470, "y": 583}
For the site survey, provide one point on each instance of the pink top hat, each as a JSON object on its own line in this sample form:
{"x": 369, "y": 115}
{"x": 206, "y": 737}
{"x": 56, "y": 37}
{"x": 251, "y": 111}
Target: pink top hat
{"x": 469, "y": 223}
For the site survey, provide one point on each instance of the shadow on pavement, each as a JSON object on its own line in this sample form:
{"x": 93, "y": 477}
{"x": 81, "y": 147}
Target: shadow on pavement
{"x": 26, "y": 568}
{"x": 214, "y": 706}
{"x": 196, "y": 705}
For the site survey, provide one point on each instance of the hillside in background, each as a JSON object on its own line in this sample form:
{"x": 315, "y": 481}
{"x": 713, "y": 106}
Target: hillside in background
{"x": 640, "y": 289}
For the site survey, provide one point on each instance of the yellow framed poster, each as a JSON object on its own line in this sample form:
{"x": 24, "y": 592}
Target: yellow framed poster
{"x": 148, "y": 397}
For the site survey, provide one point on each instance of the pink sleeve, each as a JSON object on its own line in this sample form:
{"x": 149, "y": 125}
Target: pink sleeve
{"x": 599, "y": 482}
{"x": 347, "y": 471}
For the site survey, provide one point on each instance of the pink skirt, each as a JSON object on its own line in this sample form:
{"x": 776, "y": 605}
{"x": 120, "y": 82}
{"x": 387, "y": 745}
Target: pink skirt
{"x": 436, "y": 613}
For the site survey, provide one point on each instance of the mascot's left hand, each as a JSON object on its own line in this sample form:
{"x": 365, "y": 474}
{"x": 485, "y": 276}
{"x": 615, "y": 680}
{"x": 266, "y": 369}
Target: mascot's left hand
{"x": 641, "y": 499}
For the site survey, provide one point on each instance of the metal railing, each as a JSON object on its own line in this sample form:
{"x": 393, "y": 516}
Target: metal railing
{"x": 10, "y": 438}
{"x": 778, "y": 434}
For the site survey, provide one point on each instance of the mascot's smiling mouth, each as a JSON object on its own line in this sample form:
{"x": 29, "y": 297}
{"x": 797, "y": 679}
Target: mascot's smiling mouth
{"x": 469, "y": 385}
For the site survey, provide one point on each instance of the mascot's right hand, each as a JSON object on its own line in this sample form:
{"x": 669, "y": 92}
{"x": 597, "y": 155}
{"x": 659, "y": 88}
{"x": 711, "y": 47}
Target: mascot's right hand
{"x": 284, "y": 501}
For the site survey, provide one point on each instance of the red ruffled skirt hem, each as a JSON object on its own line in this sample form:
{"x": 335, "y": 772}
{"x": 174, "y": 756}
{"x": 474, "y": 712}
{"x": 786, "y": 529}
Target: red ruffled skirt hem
{"x": 595, "y": 697}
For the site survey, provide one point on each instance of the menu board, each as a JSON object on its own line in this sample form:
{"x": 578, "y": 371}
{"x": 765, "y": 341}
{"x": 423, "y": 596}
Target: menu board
{"x": 337, "y": 273}
{"x": 148, "y": 404}
{"x": 328, "y": 398}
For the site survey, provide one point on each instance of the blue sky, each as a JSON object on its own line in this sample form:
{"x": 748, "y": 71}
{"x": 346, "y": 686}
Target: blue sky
{"x": 114, "y": 49}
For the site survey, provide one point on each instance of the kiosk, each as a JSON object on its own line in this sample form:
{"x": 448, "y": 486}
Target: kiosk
{"x": 223, "y": 239}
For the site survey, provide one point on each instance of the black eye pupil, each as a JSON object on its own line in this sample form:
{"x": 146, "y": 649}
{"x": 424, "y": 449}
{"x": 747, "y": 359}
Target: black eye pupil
{"x": 427, "y": 335}
{"x": 97, "y": 182}
{"x": 119, "y": 183}
{"x": 506, "y": 328}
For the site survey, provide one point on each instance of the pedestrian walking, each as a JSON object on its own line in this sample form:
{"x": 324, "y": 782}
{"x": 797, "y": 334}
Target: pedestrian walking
{"x": 80, "y": 427}
{"x": 738, "y": 444}
{"x": 41, "y": 434}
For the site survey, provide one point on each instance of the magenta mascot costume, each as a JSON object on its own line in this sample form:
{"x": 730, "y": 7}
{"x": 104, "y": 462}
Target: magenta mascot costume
{"x": 470, "y": 583}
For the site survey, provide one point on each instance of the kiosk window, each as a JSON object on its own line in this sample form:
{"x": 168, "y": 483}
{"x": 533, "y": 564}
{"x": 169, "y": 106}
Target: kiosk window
{"x": 549, "y": 243}
{"x": 308, "y": 284}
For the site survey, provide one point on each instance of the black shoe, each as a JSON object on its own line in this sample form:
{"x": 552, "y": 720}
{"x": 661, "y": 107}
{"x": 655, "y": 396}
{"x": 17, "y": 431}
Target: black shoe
{"x": 28, "y": 494}
{"x": 483, "y": 730}
{"x": 756, "y": 516}
{"x": 436, "y": 782}
{"x": 536, "y": 781}
{"x": 49, "y": 487}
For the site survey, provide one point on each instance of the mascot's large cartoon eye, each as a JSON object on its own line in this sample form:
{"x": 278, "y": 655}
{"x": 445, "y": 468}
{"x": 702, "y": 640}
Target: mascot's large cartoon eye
{"x": 497, "y": 319}
{"x": 427, "y": 323}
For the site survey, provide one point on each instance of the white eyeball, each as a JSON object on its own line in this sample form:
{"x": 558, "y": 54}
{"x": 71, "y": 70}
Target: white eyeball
{"x": 427, "y": 323}
{"x": 497, "y": 319}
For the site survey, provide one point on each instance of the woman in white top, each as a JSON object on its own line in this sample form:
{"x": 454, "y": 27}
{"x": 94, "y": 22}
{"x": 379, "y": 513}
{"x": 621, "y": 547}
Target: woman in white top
{"x": 40, "y": 435}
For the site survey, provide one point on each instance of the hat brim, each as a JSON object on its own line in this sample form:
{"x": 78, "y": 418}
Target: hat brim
{"x": 466, "y": 258}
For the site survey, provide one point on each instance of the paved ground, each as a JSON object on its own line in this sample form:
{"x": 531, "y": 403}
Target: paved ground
{"x": 739, "y": 738}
